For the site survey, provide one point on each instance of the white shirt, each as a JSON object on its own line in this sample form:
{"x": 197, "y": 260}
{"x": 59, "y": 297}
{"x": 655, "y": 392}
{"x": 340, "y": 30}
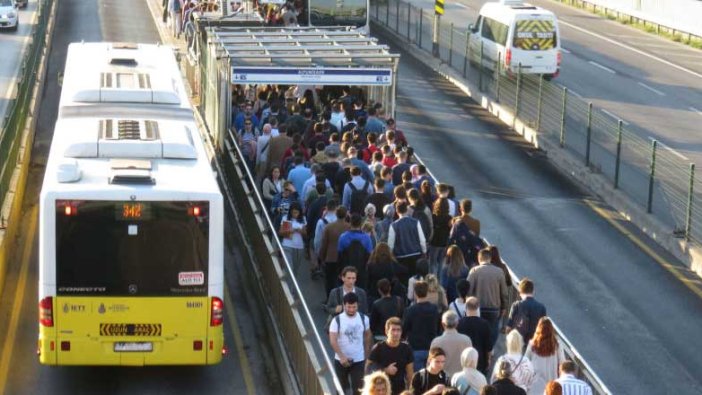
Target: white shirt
{"x": 263, "y": 141}
{"x": 295, "y": 240}
{"x": 459, "y": 306}
{"x": 573, "y": 386}
{"x": 452, "y": 208}
{"x": 350, "y": 335}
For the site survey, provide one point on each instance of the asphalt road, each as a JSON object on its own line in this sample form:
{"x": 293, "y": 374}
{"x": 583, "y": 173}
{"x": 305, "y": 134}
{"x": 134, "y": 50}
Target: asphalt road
{"x": 242, "y": 371}
{"x": 12, "y": 47}
{"x": 652, "y": 83}
{"x": 634, "y": 322}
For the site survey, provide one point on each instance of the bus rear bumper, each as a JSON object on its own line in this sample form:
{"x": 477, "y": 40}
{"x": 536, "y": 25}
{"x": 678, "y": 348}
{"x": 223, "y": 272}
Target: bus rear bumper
{"x": 130, "y": 351}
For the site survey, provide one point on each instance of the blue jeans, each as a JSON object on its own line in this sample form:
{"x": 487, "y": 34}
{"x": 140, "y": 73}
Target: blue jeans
{"x": 492, "y": 316}
{"x": 420, "y": 359}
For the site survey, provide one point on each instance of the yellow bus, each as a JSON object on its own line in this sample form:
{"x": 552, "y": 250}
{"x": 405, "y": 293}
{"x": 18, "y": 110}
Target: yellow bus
{"x": 131, "y": 218}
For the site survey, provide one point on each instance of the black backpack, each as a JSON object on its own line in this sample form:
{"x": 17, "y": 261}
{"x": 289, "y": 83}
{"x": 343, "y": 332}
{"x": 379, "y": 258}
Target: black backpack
{"x": 421, "y": 216}
{"x": 358, "y": 197}
{"x": 467, "y": 241}
{"x": 356, "y": 255}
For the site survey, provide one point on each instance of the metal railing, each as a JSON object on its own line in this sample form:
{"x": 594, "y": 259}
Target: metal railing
{"x": 312, "y": 365}
{"x": 15, "y": 120}
{"x": 653, "y": 175}
{"x": 586, "y": 372}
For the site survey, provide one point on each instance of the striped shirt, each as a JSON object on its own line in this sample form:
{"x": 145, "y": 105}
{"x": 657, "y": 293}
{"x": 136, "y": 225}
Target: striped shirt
{"x": 573, "y": 386}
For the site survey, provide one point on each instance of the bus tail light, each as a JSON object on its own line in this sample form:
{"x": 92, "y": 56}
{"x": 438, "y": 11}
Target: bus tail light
{"x": 46, "y": 311}
{"x": 508, "y": 57}
{"x": 194, "y": 211}
{"x": 217, "y": 312}
{"x": 559, "y": 57}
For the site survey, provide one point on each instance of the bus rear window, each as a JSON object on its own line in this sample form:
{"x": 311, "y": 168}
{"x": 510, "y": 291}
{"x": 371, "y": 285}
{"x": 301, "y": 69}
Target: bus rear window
{"x": 132, "y": 248}
{"x": 535, "y": 35}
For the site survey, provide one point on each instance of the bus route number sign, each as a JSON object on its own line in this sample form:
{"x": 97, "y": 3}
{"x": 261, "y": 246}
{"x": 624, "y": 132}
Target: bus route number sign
{"x": 131, "y": 211}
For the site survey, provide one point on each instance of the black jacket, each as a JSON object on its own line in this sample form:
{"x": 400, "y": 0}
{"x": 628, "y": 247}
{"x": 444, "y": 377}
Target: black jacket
{"x": 507, "y": 387}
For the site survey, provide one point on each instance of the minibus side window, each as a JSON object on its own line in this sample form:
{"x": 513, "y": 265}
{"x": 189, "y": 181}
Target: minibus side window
{"x": 500, "y": 32}
{"x": 487, "y": 30}
{"x": 495, "y": 31}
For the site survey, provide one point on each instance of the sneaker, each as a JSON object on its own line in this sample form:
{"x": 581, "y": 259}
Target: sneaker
{"x": 317, "y": 273}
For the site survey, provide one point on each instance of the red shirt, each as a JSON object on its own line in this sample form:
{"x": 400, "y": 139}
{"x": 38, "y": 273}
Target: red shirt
{"x": 389, "y": 161}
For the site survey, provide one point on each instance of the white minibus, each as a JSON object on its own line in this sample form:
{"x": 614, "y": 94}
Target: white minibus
{"x": 512, "y": 33}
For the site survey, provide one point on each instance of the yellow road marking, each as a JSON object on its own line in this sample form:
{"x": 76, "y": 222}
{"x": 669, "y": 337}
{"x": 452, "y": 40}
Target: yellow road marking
{"x": 675, "y": 270}
{"x": 18, "y": 301}
{"x": 243, "y": 360}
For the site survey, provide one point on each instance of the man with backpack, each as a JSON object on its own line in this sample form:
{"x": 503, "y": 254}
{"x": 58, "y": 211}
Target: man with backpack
{"x": 355, "y": 247}
{"x": 431, "y": 380}
{"x": 335, "y": 303}
{"x": 350, "y": 338}
{"x": 524, "y": 314}
{"x": 356, "y": 192}
{"x": 385, "y": 307}
{"x": 420, "y": 212}
{"x": 465, "y": 233}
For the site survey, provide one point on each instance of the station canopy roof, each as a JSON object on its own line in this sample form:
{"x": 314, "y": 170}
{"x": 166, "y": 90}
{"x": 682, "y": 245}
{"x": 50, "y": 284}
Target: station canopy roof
{"x": 301, "y": 47}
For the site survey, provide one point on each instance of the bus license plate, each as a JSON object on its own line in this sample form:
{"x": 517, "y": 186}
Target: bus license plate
{"x": 133, "y": 346}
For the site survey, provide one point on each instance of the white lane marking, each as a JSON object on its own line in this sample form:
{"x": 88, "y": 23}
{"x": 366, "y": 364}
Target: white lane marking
{"x": 652, "y": 89}
{"x": 607, "y": 69}
{"x": 699, "y": 112}
{"x": 463, "y": 6}
{"x": 565, "y": 50}
{"x": 576, "y": 94}
{"x": 611, "y": 114}
{"x": 638, "y": 51}
{"x": 668, "y": 149}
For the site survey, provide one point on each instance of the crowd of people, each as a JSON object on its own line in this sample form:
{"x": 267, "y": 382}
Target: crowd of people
{"x": 178, "y": 13}
{"x": 415, "y": 299}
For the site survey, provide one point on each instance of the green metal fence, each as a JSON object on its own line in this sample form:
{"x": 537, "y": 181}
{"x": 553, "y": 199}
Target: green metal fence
{"x": 14, "y": 122}
{"x": 653, "y": 175}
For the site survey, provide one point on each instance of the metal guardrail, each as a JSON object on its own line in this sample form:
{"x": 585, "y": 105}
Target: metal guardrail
{"x": 586, "y": 372}
{"x": 553, "y": 112}
{"x": 650, "y": 173}
{"x": 14, "y": 122}
{"x": 312, "y": 365}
